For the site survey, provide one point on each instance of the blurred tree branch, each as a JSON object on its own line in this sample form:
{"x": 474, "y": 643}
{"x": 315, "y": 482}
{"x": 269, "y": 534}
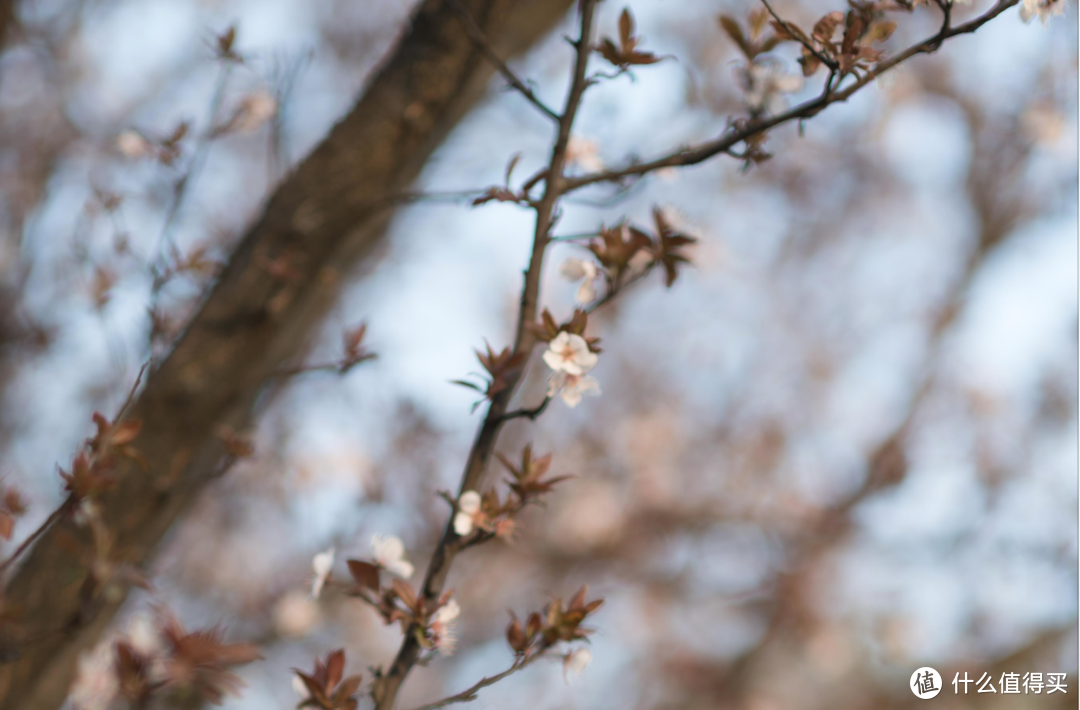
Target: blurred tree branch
{"x": 832, "y": 94}
{"x": 324, "y": 218}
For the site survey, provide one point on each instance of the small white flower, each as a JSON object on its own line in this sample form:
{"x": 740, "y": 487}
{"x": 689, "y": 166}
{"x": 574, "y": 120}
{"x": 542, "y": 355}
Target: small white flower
{"x": 443, "y": 628}
{"x": 468, "y": 511}
{"x": 321, "y": 564}
{"x": 581, "y": 270}
{"x": 448, "y": 612}
{"x": 766, "y": 84}
{"x": 584, "y": 154}
{"x": 96, "y": 686}
{"x": 132, "y": 145}
{"x": 575, "y": 662}
{"x": 570, "y": 353}
{"x": 299, "y": 688}
{"x": 143, "y": 635}
{"x": 572, "y": 387}
{"x": 389, "y": 554}
{"x": 86, "y": 512}
{"x": 295, "y": 614}
{"x": 1043, "y": 9}
{"x": 255, "y": 110}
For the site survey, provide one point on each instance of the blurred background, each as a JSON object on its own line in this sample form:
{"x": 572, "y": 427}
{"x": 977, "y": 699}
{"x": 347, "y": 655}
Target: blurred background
{"x": 841, "y": 447}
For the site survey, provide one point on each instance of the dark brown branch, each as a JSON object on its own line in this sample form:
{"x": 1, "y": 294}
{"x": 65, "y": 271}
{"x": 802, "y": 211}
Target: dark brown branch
{"x": 386, "y": 690}
{"x": 329, "y": 214}
{"x": 534, "y": 181}
{"x": 724, "y": 144}
{"x": 482, "y": 43}
{"x": 530, "y": 414}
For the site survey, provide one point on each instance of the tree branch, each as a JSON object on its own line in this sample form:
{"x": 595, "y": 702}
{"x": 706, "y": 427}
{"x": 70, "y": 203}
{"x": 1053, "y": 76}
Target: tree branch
{"x": 329, "y": 214}
{"x": 386, "y": 690}
{"x": 693, "y": 156}
{"x": 831, "y": 64}
{"x": 470, "y": 694}
{"x": 482, "y": 43}
{"x": 531, "y": 414}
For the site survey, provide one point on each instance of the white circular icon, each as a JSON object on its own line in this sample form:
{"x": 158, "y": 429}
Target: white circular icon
{"x": 925, "y": 683}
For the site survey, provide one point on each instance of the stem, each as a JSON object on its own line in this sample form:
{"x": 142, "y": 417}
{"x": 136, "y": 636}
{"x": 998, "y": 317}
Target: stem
{"x": 198, "y": 157}
{"x": 25, "y": 545}
{"x": 532, "y": 414}
{"x": 470, "y": 694}
{"x": 385, "y": 693}
{"x": 693, "y": 156}
{"x": 477, "y": 36}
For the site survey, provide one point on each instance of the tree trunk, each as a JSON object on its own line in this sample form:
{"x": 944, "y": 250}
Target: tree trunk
{"x": 324, "y": 219}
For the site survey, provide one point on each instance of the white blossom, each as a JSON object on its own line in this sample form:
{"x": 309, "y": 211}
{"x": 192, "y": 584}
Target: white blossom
{"x": 255, "y": 110}
{"x": 1043, "y": 9}
{"x": 584, "y": 153}
{"x": 575, "y": 662}
{"x": 570, "y": 353}
{"x": 295, "y": 614}
{"x": 468, "y": 511}
{"x": 443, "y": 627}
{"x": 389, "y": 552}
{"x": 95, "y": 686}
{"x": 143, "y": 635}
{"x": 321, "y": 564}
{"x": 581, "y": 270}
{"x": 448, "y": 612}
{"x": 572, "y": 387}
{"x": 132, "y": 145}
{"x": 765, "y": 84}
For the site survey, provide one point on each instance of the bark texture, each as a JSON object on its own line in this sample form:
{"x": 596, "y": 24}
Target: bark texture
{"x": 325, "y": 218}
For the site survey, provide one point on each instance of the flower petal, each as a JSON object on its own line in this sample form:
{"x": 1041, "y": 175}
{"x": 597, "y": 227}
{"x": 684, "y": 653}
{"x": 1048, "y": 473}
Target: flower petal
{"x": 553, "y": 360}
{"x": 571, "y": 395}
{"x": 448, "y": 612}
{"x": 402, "y": 568}
{"x": 573, "y": 269}
{"x": 469, "y": 502}
{"x": 463, "y": 524}
{"x": 586, "y": 292}
{"x": 589, "y": 386}
{"x": 387, "y": 548}
{"x": 322, "y": 562}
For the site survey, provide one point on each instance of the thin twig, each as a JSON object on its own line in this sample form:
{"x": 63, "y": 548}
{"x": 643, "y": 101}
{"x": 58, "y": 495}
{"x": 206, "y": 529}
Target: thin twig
{"x": 693, "y": 156}
{"x": 198, "y": 157}
{"x": 25, "y": 545}
{"x": 533, "y": 181}
{"x": 556, "y": 185}
{"x": 801, "y": 39}
{"x": 131, "y": 392}
{"x": 531, "y": 414}
{"x": 481, "y": 41}
{"x": 470, "y": 694}
{"x": 386, "y": 690}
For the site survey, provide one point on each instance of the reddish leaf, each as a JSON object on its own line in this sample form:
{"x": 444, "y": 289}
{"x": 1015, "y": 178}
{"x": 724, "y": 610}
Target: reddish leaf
{"x": 365, "y": 574}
